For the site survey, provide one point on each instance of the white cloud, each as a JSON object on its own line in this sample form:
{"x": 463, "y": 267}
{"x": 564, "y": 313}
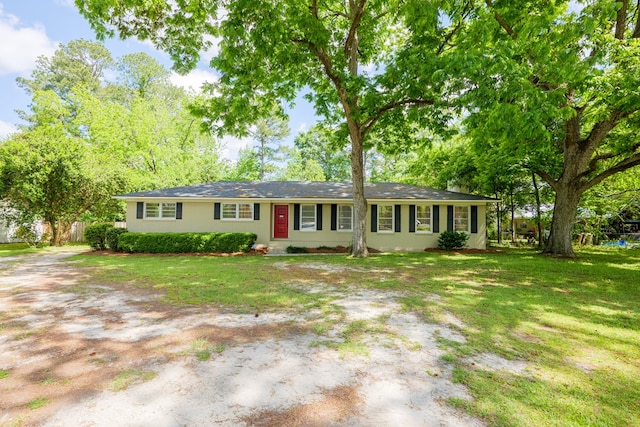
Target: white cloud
{"x": 67, "y": 3}
{"x": 232, "y": 145}
{"x": 6, "y": 129}
{"x": 213, "y": 51}
{"x": 21, "y": 45}
{"x": 194, "y": 79}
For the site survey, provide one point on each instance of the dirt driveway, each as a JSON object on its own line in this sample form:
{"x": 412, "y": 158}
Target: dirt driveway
{"x": 77, "y": 353}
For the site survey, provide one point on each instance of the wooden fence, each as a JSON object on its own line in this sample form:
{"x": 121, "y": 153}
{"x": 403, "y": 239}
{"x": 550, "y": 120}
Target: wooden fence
{"x": 77, "y": 230}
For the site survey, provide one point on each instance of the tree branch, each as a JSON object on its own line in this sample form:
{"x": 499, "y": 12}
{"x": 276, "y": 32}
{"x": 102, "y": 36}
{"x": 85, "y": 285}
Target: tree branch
{"x": 593, "y": 164}
{"x": 369, "y": 123}
{"x": 338, "y": 13}
{"x": 327, "y": 65}
{"x": 601, "y": 129}
{"x": 448, "y": 37}
{"x": 636, "y": 31}
{"x": 350, "y": 43}
{"x": 621, "y": 19}
{"x": 504, "y": 24}
{"x": 620, "y": 193}
{"x": 548, "y": 179}
{"x": 621, "y": 166}
{"x": 572, "y": 133}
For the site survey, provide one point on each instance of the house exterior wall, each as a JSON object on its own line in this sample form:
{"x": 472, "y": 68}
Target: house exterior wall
{"x": 402, "y": 241}
{"x": 198, "y": 216}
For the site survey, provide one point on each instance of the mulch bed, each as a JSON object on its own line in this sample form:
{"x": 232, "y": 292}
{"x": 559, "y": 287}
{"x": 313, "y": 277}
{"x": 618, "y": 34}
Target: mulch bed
{"x": 467, "y": 251}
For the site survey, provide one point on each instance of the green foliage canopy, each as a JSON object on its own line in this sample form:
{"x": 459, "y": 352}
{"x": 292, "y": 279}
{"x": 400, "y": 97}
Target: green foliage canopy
{"x": 372, "y": 66}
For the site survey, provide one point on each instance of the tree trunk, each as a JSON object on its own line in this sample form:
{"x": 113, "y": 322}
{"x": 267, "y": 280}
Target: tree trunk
{"x": 564, "y": 216}
{"x": 513, "y": 217}
{"x": 59, "y": 232}
{"x": 499, "y": 220}
{"x": 359, "y": 248}
{"x": 538, "y": 207}
{"x": 261, "y": 159}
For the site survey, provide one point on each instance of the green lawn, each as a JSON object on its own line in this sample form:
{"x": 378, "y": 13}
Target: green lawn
{"x": 577, "y": 322}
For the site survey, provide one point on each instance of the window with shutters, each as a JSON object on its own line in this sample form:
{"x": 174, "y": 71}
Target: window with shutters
{"x": 307, "y": 217}
{"x": 237, "y": 211}
{"x": 461, "y": 218}
{"x": 345, "y": 217}
{"x": 385, "y": 218}
{"x": 160, "y": 210}
{"x": 423, "y": 219}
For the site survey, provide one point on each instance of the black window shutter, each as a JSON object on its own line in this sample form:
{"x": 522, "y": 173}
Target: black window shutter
{"x": 412, "y": 218}
{"x": 140, "y": 210}
{"x": 397, "y": 218}
{"x": 256, "y": 211}
{"x": 474, "y": 219}
{"x": 334, "y": 217}
{"x": 216, "y": 211}
{"x": 296, "y": 216}
{"x": 436, "y": 219}
{"x": 449, "y": 218}
{"x": 374, "y": 218}
{"x": 319, "y": 216}
{"x": 179, "y": 210}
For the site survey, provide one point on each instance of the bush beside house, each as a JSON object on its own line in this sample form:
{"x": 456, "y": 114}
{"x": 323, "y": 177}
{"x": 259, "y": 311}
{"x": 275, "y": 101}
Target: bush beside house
{"x": 95, "y": 236}
{"x": 451, "y": 240}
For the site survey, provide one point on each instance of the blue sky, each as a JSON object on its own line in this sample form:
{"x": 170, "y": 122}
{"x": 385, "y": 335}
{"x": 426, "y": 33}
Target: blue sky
{"x": 31, "y": 28}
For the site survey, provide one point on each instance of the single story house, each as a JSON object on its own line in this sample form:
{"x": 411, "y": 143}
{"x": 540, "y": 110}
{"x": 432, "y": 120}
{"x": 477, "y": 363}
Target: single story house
{"x": 400, "y": 217}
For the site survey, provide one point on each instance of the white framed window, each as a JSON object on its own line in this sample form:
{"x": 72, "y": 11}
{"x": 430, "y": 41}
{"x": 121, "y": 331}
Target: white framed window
{"x": 345, "y": 217}
{"x": 307, "y": 217}
{"x": 423, "y": 219}
{"x": 153, "y": 210}
{"x": 237, "y": 211}
{"x": 385, "y": 218}
{"x": 461, "y": 218}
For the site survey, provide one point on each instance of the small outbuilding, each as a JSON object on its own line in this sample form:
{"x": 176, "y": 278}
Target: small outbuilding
{"x": 400, "y": 217}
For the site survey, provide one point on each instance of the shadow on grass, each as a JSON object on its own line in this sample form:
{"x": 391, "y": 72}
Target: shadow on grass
{"x": 576, "y": 321}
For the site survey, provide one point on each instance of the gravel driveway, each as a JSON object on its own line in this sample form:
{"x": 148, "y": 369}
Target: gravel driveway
{"x": 77, "y": 353}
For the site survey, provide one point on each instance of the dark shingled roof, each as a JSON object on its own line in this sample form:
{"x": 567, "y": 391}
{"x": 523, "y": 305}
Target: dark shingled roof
{"x": 303, "y": 190}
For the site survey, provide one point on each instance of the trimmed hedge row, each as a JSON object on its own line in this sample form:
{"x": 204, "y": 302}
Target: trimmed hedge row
{"x": 165, "y": 243}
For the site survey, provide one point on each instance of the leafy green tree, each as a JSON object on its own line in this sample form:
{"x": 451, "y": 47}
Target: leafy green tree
{"x": 322, "y": 144}
{"x": 80, "y": 62}
{"x": 143, "y": 121}
{"x": 132, "y": 134}
{"x": 612, "y": 201}
{"x": 141, "y": 74}
{"x": 372, "y": 65}
{"x": 48, "y": 174}
{"x": 247, "y": 167}
{"x": 299, "y": 169}
{"x": 558, "y": 87}
{"x": 269, "y": 132}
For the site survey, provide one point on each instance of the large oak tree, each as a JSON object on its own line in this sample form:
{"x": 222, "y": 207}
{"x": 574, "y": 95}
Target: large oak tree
{"x": 558, "y": 84}
{"x": 370, "y": 65}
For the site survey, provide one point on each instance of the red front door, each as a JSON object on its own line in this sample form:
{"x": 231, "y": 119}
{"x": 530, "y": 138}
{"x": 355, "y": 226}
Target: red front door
{"x": 281, "y": 222}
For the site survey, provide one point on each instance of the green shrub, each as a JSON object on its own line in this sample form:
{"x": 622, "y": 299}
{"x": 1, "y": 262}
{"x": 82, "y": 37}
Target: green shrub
{"x": 27, "y": 234}
{"x": 164, "y": 243}
{"x": 297, "y": 250}
{"x": 112, "y": 236}
{"x": 450, "y": 240}
{"x": 95, "y": 235}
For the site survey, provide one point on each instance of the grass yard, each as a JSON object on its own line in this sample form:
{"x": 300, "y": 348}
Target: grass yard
{"x": 576, "y": 322}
